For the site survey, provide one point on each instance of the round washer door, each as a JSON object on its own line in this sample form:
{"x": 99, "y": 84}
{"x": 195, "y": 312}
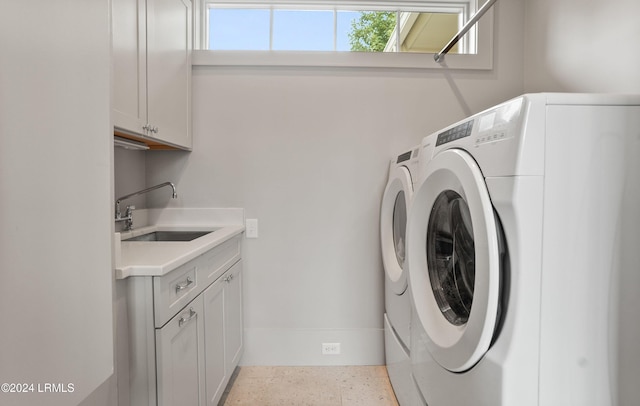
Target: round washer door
{"x": 393, "y": 224}
{"x": 454, "y": 260}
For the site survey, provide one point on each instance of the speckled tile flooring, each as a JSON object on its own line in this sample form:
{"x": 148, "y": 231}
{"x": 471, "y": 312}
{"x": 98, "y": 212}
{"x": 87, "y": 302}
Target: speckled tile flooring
{"x": 310, "y": 386}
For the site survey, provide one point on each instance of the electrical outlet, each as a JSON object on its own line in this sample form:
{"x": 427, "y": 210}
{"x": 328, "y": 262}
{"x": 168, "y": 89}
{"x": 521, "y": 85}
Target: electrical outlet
{"x": 330, "y": 348}
{"x": 251, "y": 226}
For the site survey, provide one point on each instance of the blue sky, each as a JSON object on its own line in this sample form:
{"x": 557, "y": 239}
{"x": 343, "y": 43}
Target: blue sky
{"x": 248, "y": 29}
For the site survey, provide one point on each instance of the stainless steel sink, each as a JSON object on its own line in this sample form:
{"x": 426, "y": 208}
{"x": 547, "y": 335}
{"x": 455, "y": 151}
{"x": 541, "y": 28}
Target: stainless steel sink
{"x": 170, "y": 236}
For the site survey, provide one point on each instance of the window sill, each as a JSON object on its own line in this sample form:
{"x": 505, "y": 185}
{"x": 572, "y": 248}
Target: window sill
{"x": 482, "y": 61}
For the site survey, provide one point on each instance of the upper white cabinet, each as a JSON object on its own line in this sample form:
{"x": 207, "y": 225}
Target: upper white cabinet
{"x": 152, "y": 42}
{"x": 129, "y": 59}
{"x": 169, "y": 70}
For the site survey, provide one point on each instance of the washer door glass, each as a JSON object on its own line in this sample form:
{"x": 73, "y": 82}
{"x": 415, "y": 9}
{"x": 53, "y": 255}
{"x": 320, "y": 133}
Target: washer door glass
{"x": 451, "y": 256}
{"x": 400, "y": 227}
{"x": 454, "y": 260}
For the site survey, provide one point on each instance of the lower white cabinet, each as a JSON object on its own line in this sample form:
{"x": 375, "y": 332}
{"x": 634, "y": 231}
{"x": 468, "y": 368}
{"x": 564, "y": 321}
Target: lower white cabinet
{"x": 188, "y": 359}
{"x": 180, "y": 353}
{"x": 223, "y": 332}
{"x": 215, "y": 367}
{"x": 233, "y": 319}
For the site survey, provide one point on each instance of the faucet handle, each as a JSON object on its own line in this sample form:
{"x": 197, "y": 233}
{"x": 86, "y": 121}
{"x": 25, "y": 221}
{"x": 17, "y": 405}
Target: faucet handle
{"x": 129, "y": 217}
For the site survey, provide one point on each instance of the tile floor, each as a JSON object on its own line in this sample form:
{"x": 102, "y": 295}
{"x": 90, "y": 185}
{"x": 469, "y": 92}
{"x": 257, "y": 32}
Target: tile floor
{"x": 310, "y": 386}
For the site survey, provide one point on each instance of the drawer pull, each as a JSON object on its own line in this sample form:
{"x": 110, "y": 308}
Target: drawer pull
{"x": 184, "y": 285}
{"x": 184, "y": 320}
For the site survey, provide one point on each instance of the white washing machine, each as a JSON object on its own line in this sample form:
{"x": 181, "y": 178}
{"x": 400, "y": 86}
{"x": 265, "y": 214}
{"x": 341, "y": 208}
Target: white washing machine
{"x": 523, "y": 249}
{"x": 394, "y": 209}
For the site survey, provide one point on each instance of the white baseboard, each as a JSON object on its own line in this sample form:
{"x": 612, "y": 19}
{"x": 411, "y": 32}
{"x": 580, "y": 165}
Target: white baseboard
{"x": 303, "y": 347}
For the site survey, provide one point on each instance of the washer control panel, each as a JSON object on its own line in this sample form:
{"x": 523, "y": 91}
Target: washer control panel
{"x": 488, "y": 128}
{"x": 455, "y": 133}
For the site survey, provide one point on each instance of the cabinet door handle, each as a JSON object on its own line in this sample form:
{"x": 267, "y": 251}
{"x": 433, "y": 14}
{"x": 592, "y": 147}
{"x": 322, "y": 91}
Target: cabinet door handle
{"x": 183, "y": 320}
{"x": 184, "y": 285}
{"x": 228, "y": 278}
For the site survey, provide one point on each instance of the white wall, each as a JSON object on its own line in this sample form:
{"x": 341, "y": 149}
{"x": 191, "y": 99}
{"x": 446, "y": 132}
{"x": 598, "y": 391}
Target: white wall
{"x": 306, "y": 152}
{"x": 55, "y": 201}
{"x": 129, "y": 175}
{"x": 582, "y": 46}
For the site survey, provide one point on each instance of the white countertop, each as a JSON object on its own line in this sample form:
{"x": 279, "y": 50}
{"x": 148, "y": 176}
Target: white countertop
{"x": 157, "y": 258}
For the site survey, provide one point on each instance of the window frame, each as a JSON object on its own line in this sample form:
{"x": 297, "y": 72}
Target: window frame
{"x": 481, "y": 60}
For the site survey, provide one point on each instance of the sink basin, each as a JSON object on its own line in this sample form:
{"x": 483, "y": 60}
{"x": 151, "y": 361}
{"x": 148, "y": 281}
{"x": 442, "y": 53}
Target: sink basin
{"x": 170, "y": 236}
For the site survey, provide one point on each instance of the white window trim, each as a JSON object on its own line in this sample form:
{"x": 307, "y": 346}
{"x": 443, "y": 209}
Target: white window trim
{"x": 482, "y": 60}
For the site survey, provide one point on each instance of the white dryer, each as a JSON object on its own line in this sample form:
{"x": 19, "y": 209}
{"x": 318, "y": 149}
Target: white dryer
{"x": 394, "y": 209}
{"x": 522, "y": 252}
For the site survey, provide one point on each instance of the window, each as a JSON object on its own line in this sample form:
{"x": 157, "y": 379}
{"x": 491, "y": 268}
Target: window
{"x": 325, "y": 33}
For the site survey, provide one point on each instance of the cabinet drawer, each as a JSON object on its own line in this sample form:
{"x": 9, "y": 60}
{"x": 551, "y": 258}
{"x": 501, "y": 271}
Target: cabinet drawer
{"x": 216, "y": 262}
{"x": 173, "y": 291}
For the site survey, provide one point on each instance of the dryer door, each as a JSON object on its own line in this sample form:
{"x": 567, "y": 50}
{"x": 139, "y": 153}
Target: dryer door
{"x": 393, "y": 223}
{"x": 454, "y": 260}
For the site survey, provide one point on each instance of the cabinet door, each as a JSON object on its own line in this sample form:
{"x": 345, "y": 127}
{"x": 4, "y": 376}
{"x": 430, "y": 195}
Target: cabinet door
{"x": 233, "y": 317}
{"x": 215, "y": 371}
{"x": 179, "y": 358}
{"x": 169, "y": 40}
{"x": 129, "y": 103}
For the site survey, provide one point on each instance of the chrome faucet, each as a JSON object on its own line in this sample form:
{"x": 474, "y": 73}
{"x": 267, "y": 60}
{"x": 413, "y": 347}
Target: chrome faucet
{"x": 128, "y": 218}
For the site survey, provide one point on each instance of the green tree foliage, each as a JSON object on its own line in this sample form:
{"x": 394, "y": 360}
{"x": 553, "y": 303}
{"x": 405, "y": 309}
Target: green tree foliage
{"x": 371, "y": 31}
